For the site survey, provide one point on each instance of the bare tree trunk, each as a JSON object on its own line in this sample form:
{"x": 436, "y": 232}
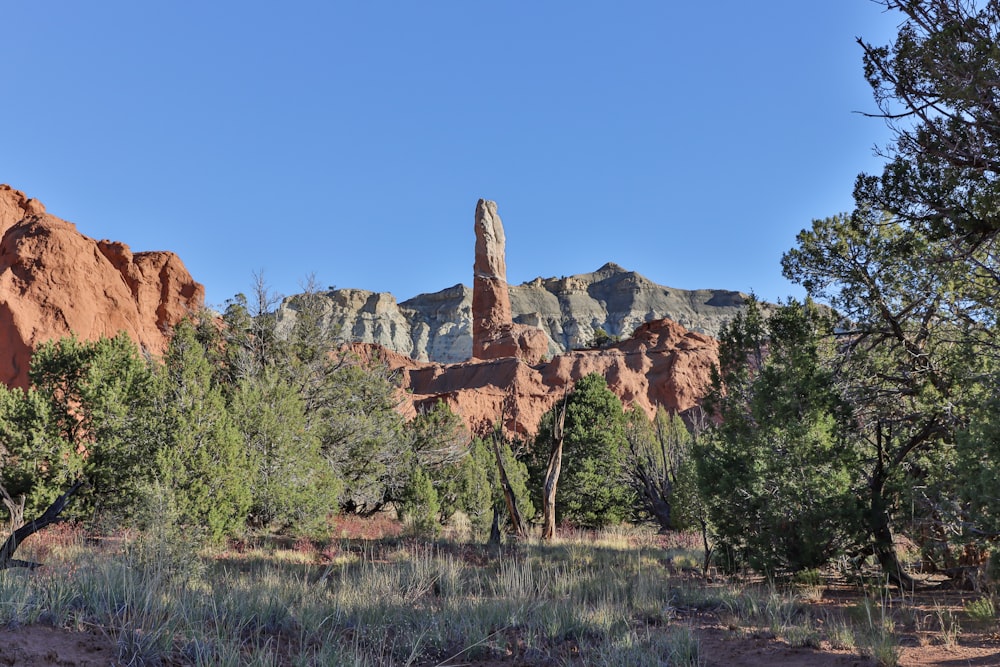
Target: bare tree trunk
{"x": 48, "y": 517}
{"x": 879, "y": 524}
{"x": 708, "y": 548}
{"x": 16, "y": 509}
{"x": 552, "y": 475}
{"x": 508, "y": 492}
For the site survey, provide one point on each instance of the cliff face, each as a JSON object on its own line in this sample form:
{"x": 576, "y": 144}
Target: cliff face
{"x": 438, "y": 327}
{"x": 54, "y": 282}
{"x": 507, "y": 379}
{"x": 660, "y": 364}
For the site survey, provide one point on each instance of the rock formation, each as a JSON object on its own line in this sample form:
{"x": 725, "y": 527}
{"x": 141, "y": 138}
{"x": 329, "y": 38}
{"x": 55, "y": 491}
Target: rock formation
{"x": 660, "y": 364}
{"x": 54, "y": 281}
{"x": 438, "y": 326}
{"x": 494, "y": 333}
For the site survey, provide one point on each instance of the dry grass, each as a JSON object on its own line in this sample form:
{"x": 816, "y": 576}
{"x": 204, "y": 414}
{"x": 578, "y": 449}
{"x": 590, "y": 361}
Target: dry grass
{"x": 617, "y": 597}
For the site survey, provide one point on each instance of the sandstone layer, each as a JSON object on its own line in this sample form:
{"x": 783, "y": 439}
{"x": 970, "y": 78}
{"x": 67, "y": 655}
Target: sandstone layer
{"x": 438, "y": 326}
{"x": 662, "y": 363}
{"x": 54, "y": 282}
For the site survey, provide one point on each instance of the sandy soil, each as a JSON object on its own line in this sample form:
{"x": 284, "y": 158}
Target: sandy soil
{"x": 40, "y": 646}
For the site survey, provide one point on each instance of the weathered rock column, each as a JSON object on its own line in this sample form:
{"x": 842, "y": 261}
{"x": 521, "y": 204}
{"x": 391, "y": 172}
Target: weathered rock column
{"x": 494, "y": 334}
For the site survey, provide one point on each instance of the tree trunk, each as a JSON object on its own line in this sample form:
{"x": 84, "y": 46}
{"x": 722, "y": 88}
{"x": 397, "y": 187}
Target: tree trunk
{"x": 708, "y": 549}
{"x": 658, "y": 507}
{"x": 882, "y": 542}
{"x": 49, "y": 516}
{"x": 15, "y": 508}
{"x": 495, "y": 528}
{"x": 552, "y": 476}
{"x": 517, "y": 523}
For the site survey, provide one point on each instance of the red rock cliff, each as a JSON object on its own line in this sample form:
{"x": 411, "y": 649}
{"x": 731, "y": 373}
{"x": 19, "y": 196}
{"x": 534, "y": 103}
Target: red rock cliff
{"x": 54, "y": 281}
{"x": 661, "y": 364}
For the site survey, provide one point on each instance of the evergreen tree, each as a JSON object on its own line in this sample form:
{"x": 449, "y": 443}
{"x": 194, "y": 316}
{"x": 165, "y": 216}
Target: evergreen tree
{"x": 776, "y": 471}
{"x": 203, "y": 458}
{"x": 292, "y": 486}
{"x": 473, "y": 485}
{"x": 653, "y": 460}
{"x": 89, "y": 412}
{"x": 593, "y": 491}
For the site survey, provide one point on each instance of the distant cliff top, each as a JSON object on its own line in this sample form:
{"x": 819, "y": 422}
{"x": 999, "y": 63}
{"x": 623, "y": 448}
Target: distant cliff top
{"x": 438, "y": 326}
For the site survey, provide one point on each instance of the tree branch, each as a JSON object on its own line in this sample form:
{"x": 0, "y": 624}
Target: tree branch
{"x": 48, "y": 517}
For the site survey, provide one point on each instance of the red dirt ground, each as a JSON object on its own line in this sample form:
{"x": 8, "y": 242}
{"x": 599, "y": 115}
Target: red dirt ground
{"x": 40, "y": 646}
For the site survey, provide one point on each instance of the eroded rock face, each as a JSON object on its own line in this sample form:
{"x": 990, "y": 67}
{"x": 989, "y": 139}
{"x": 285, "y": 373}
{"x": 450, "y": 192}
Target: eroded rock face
{"x": 494, "y": 333}
{"x": 662, "y": 363}
{"x": 438, "y": 326}
{"x": 54, "y": 281}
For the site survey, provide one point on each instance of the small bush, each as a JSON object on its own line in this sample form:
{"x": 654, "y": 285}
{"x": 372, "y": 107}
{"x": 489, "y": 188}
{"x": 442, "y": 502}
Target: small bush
{"x": 982, "y": 610}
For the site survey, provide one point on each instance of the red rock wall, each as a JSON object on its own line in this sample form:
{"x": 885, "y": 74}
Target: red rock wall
{"x": 54, "y": 281}
{"x": 661, "y": 364}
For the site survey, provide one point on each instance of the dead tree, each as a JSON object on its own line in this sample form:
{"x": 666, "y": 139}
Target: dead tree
{"x": 517, "y": 523}
{"x": 18, "y": 536}
{"x": 552, "y": 473}
{"x": 14, "y": 508}
{"x": 495, "y": 434}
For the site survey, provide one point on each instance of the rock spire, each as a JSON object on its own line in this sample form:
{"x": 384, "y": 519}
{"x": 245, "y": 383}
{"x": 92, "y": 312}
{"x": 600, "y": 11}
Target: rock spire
{"x": 494, "y": 333}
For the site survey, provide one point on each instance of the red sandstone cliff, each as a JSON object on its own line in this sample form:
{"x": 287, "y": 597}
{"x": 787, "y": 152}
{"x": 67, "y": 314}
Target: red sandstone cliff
{"x": 54, "y": 281}
{"x": 661, "y": 364}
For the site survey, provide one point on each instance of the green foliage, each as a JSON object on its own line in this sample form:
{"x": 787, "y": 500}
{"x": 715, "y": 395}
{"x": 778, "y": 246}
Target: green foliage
{"x": 37, "y": 463}
{"x": 907, "y": 359}
{"x": 593, "y": 491}
{"x": 775, "y": 472}
{"x": 603, "y": 339}
{"x": 978, "y": 465}
{"x": 437, "y": 436}
{"x": 88, "y": 412}
{"x": 354, "y": 412}
{"x": 472, "y": 487}
{"x": 939, "y": 75}
{"x": 656, "y": 451}
{"x": 203, "y": 458}
{"x": 916, "y": 269}
{"x": 419, "y": 506}
{"x": 293, "y": 488}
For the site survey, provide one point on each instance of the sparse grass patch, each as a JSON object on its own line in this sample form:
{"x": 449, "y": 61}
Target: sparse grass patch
{"x": 400, "y": 601}
{"x": 982, "y": 611}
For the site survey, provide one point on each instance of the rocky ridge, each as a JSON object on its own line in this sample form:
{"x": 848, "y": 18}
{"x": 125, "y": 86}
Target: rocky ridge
{"x": 438, "y": 327}
{"x": 54, "y": 282}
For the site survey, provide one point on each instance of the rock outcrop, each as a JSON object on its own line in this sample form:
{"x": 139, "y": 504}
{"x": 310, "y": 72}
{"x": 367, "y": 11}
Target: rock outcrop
{"x": 494, "y": 333}
{"x": 662, "y": 363}
{"x": 438, "y": 326}
{"x": 54, "y": 282}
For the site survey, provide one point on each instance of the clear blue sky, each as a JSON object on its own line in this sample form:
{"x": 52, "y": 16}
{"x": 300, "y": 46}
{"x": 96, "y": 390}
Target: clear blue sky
{"x": 687, "y": 141}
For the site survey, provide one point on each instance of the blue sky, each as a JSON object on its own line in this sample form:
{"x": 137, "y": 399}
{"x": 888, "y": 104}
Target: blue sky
{"x": 687, "y": 141}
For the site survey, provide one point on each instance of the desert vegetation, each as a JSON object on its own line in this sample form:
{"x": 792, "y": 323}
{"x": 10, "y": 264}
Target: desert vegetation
{"x": 849, "y": 442}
